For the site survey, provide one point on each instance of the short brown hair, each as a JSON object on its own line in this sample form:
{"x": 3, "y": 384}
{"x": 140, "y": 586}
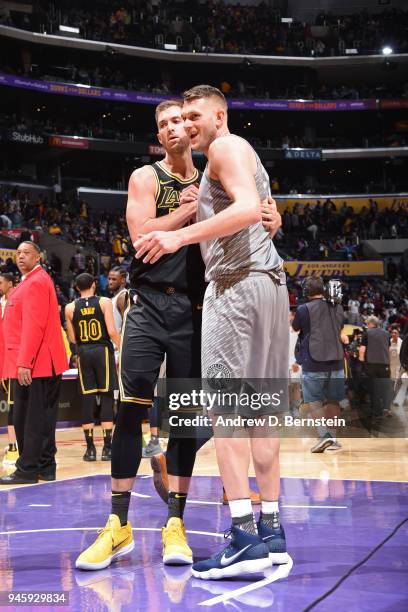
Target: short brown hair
{"x": 204, "y": 91}
{"x": 165, "y": 105}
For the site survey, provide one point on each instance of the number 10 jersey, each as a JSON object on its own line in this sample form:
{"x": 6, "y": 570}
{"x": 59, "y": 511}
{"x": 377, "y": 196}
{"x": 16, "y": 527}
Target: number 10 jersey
{"x": 89, "y": 322}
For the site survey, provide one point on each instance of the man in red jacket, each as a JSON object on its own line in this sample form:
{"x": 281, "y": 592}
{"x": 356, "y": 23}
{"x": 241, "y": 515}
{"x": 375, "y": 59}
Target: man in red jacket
{"x": 34, "y": 358}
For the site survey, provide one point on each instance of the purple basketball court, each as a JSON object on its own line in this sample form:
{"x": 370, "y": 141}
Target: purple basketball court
{"x": 330, "y": 527}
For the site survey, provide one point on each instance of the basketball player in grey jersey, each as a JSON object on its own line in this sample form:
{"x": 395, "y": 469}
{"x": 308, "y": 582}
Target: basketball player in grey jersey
{"x": 245, "y": 332}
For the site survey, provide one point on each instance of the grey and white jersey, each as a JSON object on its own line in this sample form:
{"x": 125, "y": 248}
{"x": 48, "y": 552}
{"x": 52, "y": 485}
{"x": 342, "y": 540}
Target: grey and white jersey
{"x": 249, "y": 250}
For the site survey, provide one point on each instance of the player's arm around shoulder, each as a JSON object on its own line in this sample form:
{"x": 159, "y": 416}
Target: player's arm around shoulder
{"x": 232, "y": 163}
{"x": 141, "y": 206}
{"x": 107, "y": 309}
{"x": 69, "y": 314}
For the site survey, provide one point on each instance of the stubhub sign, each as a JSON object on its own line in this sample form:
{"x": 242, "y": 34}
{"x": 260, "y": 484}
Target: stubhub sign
{"x": 26, "y": 138}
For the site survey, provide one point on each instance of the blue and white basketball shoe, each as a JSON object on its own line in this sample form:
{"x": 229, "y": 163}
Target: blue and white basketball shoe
{"x": 275, "y": 540}
{"x": 246, "y": 554}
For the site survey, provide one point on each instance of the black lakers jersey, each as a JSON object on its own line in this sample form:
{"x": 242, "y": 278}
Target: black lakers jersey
{"x": 89, "y": 322}
{"x": 183, "y": 269}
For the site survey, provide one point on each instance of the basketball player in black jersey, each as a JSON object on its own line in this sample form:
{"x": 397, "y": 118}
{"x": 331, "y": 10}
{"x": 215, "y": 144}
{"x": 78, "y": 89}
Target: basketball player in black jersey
{"x": 90, "y": 325}
{"x": 163, "y": 317}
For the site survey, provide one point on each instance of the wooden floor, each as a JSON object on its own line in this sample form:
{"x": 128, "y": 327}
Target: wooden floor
{"x": 361, "y": 458}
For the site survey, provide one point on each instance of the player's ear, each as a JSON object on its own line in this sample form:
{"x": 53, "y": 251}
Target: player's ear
{"x": 219, "y": 118}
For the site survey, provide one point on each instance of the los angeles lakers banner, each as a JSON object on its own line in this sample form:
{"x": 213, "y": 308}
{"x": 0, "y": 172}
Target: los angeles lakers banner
{"x": 7, "y": 253}
{"x": 334, "y": 268}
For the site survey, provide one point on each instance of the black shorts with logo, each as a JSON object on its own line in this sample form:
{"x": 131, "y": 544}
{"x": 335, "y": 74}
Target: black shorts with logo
{"x": 96, "y": 369}
{"x": 158, "y": 322}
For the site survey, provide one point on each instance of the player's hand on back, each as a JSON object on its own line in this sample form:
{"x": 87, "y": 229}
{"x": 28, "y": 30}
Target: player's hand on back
{"x": 271, "y": 218}
{"x": 154, "y": 245}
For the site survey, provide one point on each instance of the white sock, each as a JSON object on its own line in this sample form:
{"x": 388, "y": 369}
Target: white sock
{"x": 269, "y": 507}
{"x": 240, "y": 507}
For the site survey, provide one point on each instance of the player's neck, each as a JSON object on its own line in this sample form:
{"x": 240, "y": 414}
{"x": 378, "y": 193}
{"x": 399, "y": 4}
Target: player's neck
{"x": 223, "y": 131}
{"x": 182, "y": 164}
{"x": 87, "y": 294}
{"x": 119, "y": 289}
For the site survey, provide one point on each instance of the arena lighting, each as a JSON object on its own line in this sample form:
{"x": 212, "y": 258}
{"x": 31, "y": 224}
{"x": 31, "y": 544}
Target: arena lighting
{"x": 387, "y": 50}
{"x": 169, "y": 47}
{"x": 68, "y": 29}
{"x": 287, "y": 20}
{"x": 351, "y": 51}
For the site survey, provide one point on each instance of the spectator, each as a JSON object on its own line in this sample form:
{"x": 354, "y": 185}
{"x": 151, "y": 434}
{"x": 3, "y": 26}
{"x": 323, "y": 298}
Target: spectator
{"x": 374, "y": 352}
{"x": 395, "y": 347}
{"x": 103, "y": 282}
{"x": 353, "y": 311}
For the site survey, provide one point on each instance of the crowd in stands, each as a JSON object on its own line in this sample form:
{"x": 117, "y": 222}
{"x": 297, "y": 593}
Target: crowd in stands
{"x": 322, "y": 232}
{"x": 119, "y": 73}
{"x": 112, "y": 128}
{"x": 104, "y": 235}
{"x": 92, "y": 129}
{"x": 216, "y": 27}
{"x": 67, "y": 217}
{"x": 310, "y": 231}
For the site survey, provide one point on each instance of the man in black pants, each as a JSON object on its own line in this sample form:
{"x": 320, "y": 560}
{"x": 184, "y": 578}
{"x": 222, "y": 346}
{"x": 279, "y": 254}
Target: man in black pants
{"x": 34, "y": 358}
{"x": 11, "y": 454}
{"x": 163, "y": 317}
{"x": 374, "y": 352}
{"x": 91, "y": 326}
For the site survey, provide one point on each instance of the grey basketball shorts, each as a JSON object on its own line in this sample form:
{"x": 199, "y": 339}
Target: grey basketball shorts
{"x": 245, "y": 336}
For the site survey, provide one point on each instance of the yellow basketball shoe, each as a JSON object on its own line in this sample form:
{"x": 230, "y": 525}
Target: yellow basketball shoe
{"x": 175, "y": 546}
{"x": 112, "y": 542}
{"x": 10, "y": 457}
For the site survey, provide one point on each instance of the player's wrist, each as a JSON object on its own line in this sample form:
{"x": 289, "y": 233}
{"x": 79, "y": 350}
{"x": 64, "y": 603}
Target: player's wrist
{"x": 182, "y": 236}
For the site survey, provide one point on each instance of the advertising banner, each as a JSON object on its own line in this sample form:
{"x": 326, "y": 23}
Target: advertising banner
{"x": 138, "y": 97}
{"x": 20, "y": 137}
{"x": 155, "y": 150}
{"x": 68, "y": 142}
{"x": 390, "y": 104}
{"x": 310, "y": 154}
{"x": 334, "y": 268}
{"x": 16, "y": 233}
{"x": 7, "y": 253}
